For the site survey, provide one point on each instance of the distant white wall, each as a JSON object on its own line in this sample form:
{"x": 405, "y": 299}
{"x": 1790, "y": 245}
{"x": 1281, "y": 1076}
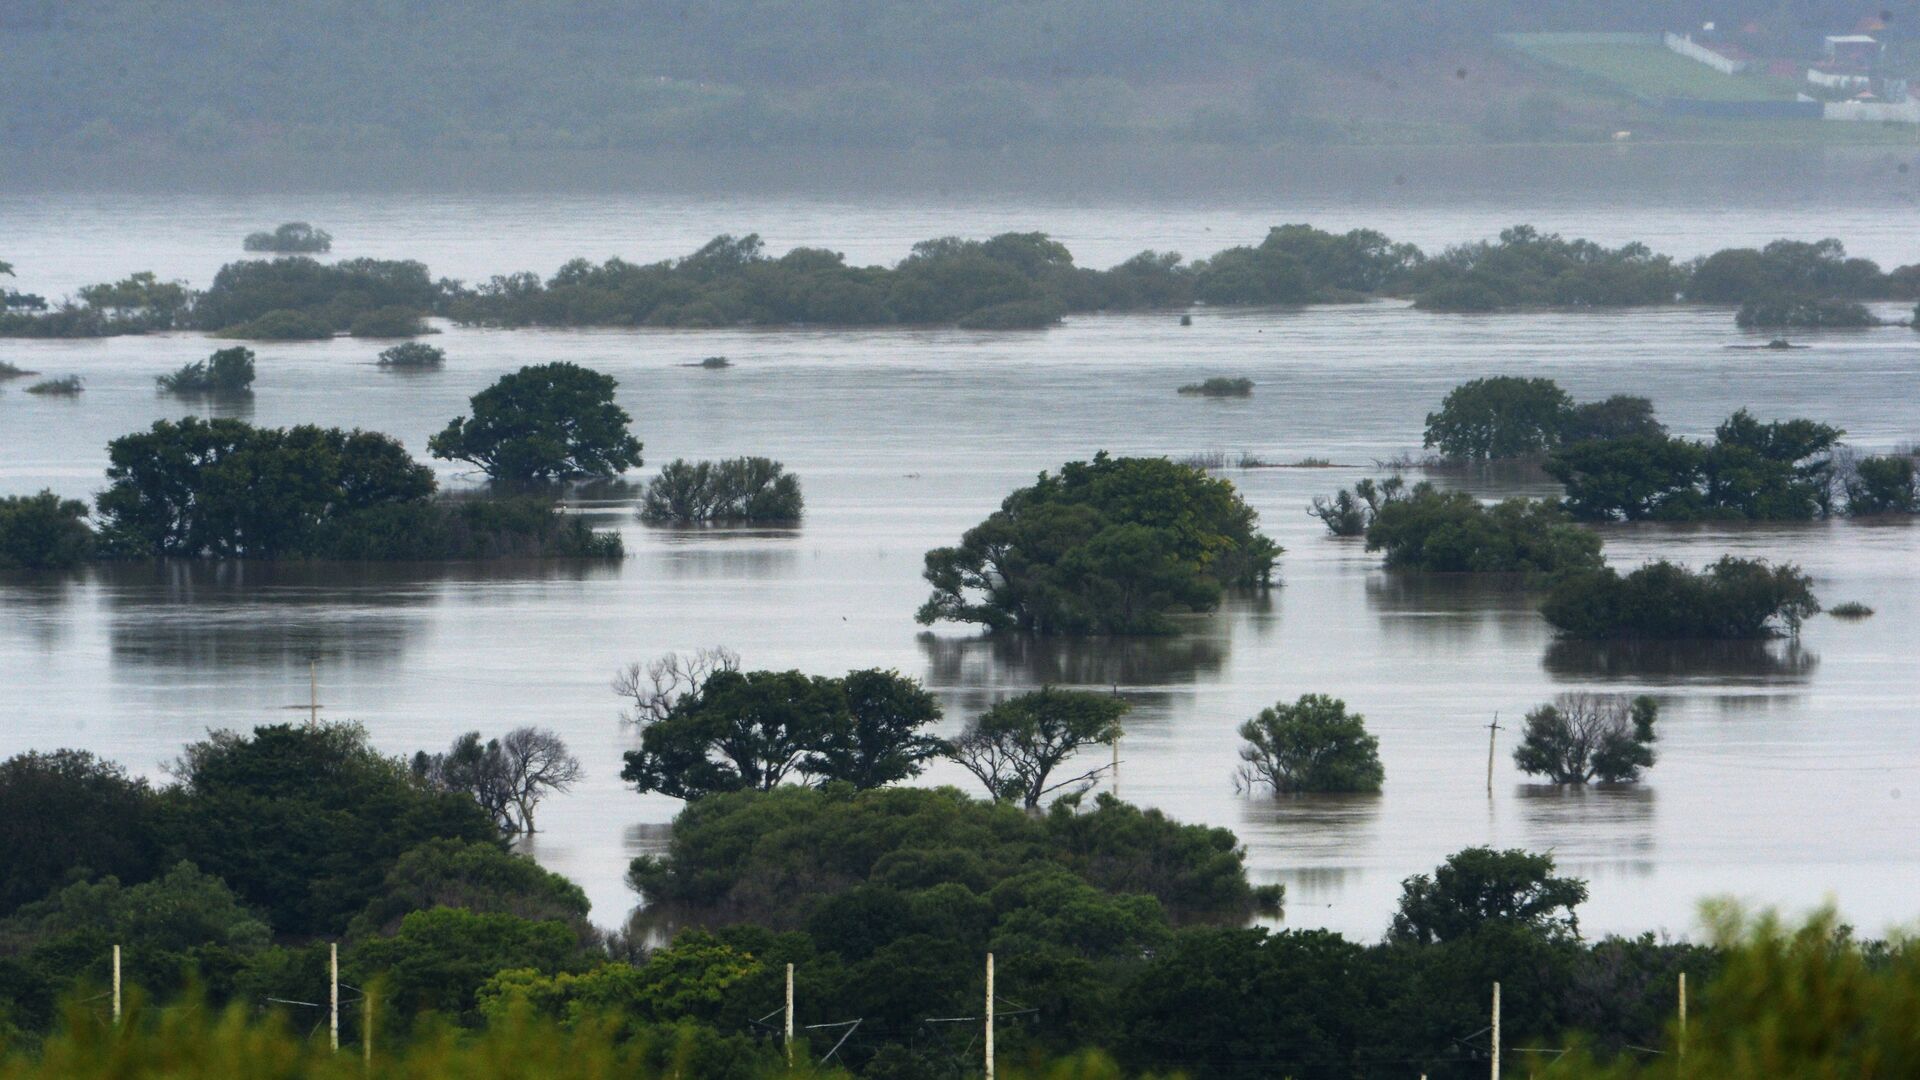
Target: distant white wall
{"x": 1693, "y": 50}
{"x": 1838, "y": 82}
{"x": 1878, "y": 112}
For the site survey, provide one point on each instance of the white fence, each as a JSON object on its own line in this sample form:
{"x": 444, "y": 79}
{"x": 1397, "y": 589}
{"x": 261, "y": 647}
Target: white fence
{"x": 1693, "y": 50}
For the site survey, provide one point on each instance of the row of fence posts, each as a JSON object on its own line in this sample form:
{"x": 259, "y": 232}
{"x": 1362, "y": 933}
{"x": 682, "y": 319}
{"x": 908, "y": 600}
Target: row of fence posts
{"x": 366, "y": 1035}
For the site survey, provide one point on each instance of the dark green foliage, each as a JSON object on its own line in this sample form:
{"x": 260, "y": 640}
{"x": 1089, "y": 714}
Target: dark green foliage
{"x": 1582, "y": 737}
{"x": 1115, "y": 545}
{"x": 1526, "y": 268}
{"x": 12, "y": 371}
{"x": 412, "y": 354}
{"x": 223, "y": 488}
{"x": 326, "y": 295}
{"x": 1500, "y": 417}
{"x": 475, "y": 875}
{"x": 227, "y": 371}
{"x": 749, "y": 731}
{"x": 1298, "y": 264}
{"x": 66, "y": 814}
{"x": 43, "y": 532}
{"x": 292, "y": 238}
{"x": 737, "y": 490}
{"x": 462, "y": 527}
{"x": 1350, "y": 512}
{"x": 141, "y": 300}
{"x": 1776, "y": 471}
{"x": 1732, "y": 599}
{"x": 1776, "y": 312}
{"x": 1014, "y": 315}
{"x": 65, "y": 386}
{"x": 438, "y": 959}
{"x": 1621, "y": 416}
{"x": 1479, "y": 887}
{"x": 388, "y": 322}
{"x": 1311, "y": 745}
{"x": 544, "y": 422}
{"x": 1220, "y": 386}
{"x": 306, "y": 822}
{"x": 1785, "y": 268}
{"x": 1451, "y": 531}
{"x": 1015, "y": 748}
{"x": 773, "y": 858}
{"x": 1883, "y": 485}
{"x": 1851, "y": 609}
{"x": 280, "y": 325}
{"x": 1253, "y": 1004}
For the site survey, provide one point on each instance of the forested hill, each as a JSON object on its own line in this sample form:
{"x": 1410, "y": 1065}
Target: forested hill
{"x": 406, "y": 75}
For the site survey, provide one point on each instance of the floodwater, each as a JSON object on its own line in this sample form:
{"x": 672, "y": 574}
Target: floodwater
{"x": 1789, "y": 773}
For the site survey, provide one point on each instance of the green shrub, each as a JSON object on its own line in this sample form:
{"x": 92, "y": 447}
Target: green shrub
{"x": 65, "y": 386}
{"x": 1851, "y": 609}
{"x": 43, "y": 532}
{"x": 1732, "y": 599}
{"x": 748, "y": 489}
{"x": 227, "y": 371}
{"x": 1802, "y": 311}
{"x": 1312, "y": 745}
{"x": 1451, "y": 531}
{"x": 413, "y": 354}
{"x": 294, "y": 237}
{"x": 280, "y": 325}
{"x": 388, "y": 322}
{"x": 1220, "y": 386}
{"x": 1014, "y": 315}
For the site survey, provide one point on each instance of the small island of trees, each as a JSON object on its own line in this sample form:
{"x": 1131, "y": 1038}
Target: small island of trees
{"x": 227, "y": 371}
{"x": 291, "y": 238}
{"x": 1114, "y": 546}
{"x": 746, "y": 490}
{"x": 543, "y": 422}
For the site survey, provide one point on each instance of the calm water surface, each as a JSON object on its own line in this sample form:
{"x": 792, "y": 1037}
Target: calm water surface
{"x": 1789, "y": 773}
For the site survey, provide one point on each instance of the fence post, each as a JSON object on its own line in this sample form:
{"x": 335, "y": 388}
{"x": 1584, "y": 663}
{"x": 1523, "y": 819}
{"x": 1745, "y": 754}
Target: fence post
{"x": 789, "y": 1041}
{"x": 989, "y": 1016}
{"x": 333, "y": 995}
{"x": 116, "y": 984}
{"x": 1683, "y": 1014}
{"x": 1496, "y": 1032}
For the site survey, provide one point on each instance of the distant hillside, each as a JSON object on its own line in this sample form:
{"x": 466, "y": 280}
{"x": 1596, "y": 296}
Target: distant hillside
{"x": 319, "y": 76}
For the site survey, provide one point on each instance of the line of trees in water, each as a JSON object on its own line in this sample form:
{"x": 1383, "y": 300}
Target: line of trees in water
{"x": 1010, "y": 281}
{"x": 1114, "y": 928}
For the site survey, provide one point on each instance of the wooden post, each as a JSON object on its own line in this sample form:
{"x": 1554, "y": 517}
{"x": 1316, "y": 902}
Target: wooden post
{"x": 1116, "y": 766}
{"x": 313, "y": 692}
{"x": 789, "y": 1016}
{"x": 116, "y": 984}
{"x": 1491, "y": 729}
{"x": 366, "y": 1029}
{"x": 333, "y": 995}
{"x": 989, "y": 1016}
{"x": 1496, "y": 1032}
{"x": 1683, "y": 1014}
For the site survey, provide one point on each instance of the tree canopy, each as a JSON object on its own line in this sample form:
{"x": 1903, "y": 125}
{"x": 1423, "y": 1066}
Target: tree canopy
{"x": 1114, "y": 545}
{"x": 552, "y": 421}
{"x": 1582, "y": 737}
{"x": 1732, "y": 599}
{"x": 1311, "y": 745}
{"x": 1480, "y": 886}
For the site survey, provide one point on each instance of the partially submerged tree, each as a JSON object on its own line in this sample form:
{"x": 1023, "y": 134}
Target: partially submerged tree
{"x": 412, "y": 354}
{"x": 1500, "y": 417}
{"x": 655, "y": 687}
{"x": 1312, "y": 745}
{"x": 552, "y": 421}
{"x": 43, "y": 532}
{"x": 293, "y": 237}
{"x": 1016, "y": 747}
{"x": 1582, "y": 737}
{"x": 227, "y": 371}
{"x": 1350, "y": 511}
{"x": 509, "y": 777}
{"x": 1731, "y": 599}
{"x": 1113, "y": 546}
{"x": 745, "y": 489}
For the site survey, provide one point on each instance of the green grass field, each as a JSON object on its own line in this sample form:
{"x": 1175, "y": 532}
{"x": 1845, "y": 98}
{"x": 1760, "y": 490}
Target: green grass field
{"x": 1643, "y": 67}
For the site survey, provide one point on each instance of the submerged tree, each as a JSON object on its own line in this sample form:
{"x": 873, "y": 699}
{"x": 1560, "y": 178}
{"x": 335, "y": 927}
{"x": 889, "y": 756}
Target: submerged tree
{"x": 43, "y": 532}
{"x": 1312, "y": 745}
{"x": 1114, "y": 545}
{"x": 1015, "y": 747}
{"x": 509, "y": 777}
{"x": 655, "y": 687}
{"x": 1582, "y": 737}
{"x": 227, "y": 371}
{"x": 1500, "y": 417}
{"x": 544, "y": 422}
{"x": 745, "y": 489}
{"x": 1351, "y": 511}
{"x": 1731, "y": 599}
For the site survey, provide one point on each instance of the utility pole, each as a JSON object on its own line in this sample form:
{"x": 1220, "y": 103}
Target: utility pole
{"x": 789, "y": 1016}
{"x": 1491, "y": 730}
{"x": 313, "y": 705}
{"x": 1496, "y": 1032}
{"x": 333, "y": 995}
{"x": 116, "y": 985}
{"x": 989, "y": 1016}
{"x": 1683, "y": 1014}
